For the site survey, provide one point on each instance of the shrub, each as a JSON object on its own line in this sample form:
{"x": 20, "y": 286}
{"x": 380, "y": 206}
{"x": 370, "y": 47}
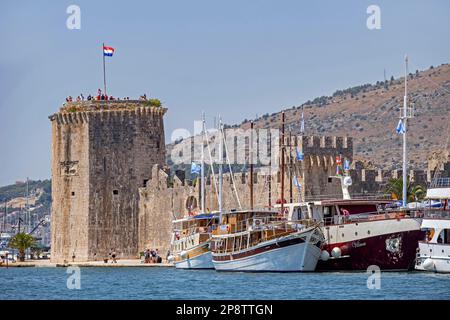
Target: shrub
{"x": 154, "y": 102}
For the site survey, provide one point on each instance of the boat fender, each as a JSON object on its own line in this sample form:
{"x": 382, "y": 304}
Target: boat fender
{"x": 170, "y": 258}
{"x": 324, "y": 255}
{"x": 428, "y": 264}
{"x": 183, "y": 254}
{"x": 336, "y": 252}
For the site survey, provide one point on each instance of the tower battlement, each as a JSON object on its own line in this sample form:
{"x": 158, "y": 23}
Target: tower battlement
{"x": 82, "y": 111}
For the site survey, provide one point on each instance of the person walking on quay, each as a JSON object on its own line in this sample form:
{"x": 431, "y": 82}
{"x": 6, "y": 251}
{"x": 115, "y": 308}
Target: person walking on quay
{"x": 113, "y": 255}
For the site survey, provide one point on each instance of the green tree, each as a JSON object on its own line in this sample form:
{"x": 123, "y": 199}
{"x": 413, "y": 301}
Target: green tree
{"x": 21, "y": 241}
{"x": 415, "y": 192}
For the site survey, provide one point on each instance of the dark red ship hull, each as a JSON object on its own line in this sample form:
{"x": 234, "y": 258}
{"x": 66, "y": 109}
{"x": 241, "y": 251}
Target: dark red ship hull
{"x": 394, "y": 251}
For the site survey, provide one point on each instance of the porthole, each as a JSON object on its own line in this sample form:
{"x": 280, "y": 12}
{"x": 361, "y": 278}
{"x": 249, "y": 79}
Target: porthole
{"x": 356, "y": 233}
{"x": 342, "y": 235}
{"x": 368, "y": 231}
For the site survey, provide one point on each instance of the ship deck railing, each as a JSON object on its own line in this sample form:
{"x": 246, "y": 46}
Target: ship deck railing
{"x": 440, "y": 183}
{"x": 387, "y": 214}
{"x": 271, "y": 229}
{"x": 443, "y": 214}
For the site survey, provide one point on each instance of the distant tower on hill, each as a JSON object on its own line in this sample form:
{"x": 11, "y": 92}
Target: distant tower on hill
{"x": 102, "y": 152}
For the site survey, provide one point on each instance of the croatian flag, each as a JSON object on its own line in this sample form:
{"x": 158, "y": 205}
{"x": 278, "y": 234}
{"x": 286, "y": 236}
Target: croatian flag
{"x": 108, "y": 51}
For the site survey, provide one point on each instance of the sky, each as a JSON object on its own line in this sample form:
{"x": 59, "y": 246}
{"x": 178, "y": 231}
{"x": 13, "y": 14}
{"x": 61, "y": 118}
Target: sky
{"x": 239, "y": 59}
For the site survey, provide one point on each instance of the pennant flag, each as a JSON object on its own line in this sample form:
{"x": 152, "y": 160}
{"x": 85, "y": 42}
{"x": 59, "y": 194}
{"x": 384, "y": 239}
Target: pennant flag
{"x": 299, "y": 154}
{"x": 400, "y": 127}
{"x": 346, "y": 164}
{"x": 302, "y": 124}
{"x": 338, "y": 160}
{"x": 297, "y": 183}
{"x": 108, "y": 51}
{"x": 195, "y": 168}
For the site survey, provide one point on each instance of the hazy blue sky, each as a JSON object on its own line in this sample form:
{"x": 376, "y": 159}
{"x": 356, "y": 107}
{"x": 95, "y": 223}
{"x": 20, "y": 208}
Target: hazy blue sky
{"x": 237, "y": 58}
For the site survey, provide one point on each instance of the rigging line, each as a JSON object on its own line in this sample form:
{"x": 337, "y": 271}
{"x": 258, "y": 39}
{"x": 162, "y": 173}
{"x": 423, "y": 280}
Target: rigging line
{"x": 211, "y": 165}
{"x": 231, "y": 171}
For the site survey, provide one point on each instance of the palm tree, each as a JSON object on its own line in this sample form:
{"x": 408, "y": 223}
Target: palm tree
{"x": 414, "y": 192}
{"x": 21, "y": 241}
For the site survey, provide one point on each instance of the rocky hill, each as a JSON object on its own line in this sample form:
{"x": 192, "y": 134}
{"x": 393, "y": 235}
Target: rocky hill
{"x": 369, "y": 113}
{"x": 39, "y": 204}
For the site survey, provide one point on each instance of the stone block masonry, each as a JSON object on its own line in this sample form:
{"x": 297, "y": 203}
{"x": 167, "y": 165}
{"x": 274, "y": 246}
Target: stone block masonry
{"x": 102, "y": 152}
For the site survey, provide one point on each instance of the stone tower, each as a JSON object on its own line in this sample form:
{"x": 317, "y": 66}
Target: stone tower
{"x": 102, "y": 152}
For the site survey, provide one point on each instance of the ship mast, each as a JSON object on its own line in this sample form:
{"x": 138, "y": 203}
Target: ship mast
{"x": 282, "y": 161}
{"x": 202, "y": 175}
{"x": 220, "y": 167}
{"x": 404, "y": 119}
{"x": 251, "y": 165}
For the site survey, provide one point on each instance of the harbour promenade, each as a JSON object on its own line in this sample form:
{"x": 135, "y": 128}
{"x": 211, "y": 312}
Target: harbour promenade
{"x": 120, "y": 263}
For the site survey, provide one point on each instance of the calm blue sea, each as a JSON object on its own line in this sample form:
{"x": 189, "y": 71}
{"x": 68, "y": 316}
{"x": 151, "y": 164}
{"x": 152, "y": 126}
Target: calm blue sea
{"x": 168, "y": 283}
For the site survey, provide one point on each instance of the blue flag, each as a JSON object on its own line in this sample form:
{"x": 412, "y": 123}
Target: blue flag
{"x": 346, "y": 164}
{"x": 299, "y": 154}
{"x": 400, "y": 127}
{"x": 195, "y": 168}
{"x": 297, "y": 183}
{"x": 302, "y": 124}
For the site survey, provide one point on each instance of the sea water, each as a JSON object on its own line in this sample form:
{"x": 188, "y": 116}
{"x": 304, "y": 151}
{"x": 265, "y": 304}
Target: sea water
{"x": 169, "y": 283}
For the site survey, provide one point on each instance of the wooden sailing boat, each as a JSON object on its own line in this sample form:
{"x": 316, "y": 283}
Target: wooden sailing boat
{"x": 191, "y": 236}
{"x": 261, "y": 240}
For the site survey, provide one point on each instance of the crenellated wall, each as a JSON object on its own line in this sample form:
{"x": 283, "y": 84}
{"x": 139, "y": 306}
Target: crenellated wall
{"x": 165, "y": 198}
{"x": 159, "y": 204}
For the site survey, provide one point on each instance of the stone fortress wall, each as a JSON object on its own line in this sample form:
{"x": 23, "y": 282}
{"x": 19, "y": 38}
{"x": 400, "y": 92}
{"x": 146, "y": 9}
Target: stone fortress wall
{"x": 111, "y": 188}
{"x": 168, "y": 196}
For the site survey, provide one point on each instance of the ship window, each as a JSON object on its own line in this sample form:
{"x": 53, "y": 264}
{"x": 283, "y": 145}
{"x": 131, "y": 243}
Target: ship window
{"x": 356, "y": 233}
{"x": 342, "y": 235}
{"x": 368, "y": 231}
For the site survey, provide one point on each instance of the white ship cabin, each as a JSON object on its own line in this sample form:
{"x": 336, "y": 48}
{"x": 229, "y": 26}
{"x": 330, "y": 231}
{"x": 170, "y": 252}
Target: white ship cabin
{"x": 434, "y": 251}
{"x": 238, "y": 221}
{"x": 340, "y": 211}
{"x": 191, "y": 231}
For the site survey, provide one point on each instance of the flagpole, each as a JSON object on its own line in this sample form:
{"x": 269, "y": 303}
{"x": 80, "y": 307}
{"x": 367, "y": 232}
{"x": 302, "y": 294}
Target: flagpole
{"x": 104, "y": 69}
{"x": 405, "y": 116}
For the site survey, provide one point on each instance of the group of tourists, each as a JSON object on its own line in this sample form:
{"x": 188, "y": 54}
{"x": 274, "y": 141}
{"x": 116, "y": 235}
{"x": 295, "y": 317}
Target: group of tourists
{"x": 100, "y": 97}
{"x": 152, "y": 256}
